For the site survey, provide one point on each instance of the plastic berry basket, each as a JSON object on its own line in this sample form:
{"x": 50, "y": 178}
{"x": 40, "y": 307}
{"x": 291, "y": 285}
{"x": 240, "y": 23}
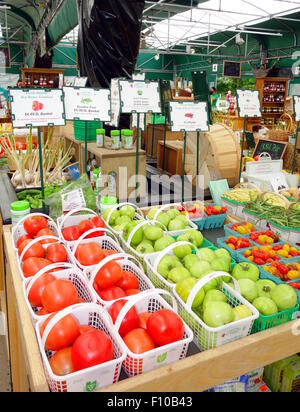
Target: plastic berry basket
{"x": 19, "y": 230}
{"x": 151, "y": 301}
{"x": 93, "y": 378}
{"x": 253, "y": 218}
{"x": 215, "y": 221}
{"x": 206, "y": 337}
{"x": 267, "y": 322}
{"x": 127, "y": 263}
{"x": 67, "y": 272}
{"x": 233, "y": 253}
{"x": 200, "y": 223}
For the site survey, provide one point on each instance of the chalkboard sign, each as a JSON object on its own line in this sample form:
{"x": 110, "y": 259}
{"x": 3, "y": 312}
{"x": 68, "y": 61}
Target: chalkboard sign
{"x": 231, "y": 69}
{"x": 275, "y": 149}
{"x": 4, "y": 57}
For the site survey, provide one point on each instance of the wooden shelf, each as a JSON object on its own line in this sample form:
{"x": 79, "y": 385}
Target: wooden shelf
{"x": 195, "y": 373}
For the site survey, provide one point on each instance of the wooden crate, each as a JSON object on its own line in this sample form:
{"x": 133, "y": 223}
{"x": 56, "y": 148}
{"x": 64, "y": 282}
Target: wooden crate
{"x": 173, "y": 156}
{"x": 159, "y": 135}
{"x": 112, "y": 160}
{"x": 196, "y": 373}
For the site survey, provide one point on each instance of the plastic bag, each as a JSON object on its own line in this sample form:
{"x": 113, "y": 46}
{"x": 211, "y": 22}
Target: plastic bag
{"x": 76, "y": 194}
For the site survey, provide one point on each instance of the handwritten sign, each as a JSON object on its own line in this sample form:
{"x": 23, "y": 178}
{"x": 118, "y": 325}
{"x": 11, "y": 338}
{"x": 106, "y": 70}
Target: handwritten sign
{"x": 275, "y": 149}
{"x": 37, "y": 107}
{"x": 248, "y": 103}
{"x": 189, "y": 116}
{"x": 139, "y": 96}
{"x": 87, "y": 104}
{"x": 297, "y": 108}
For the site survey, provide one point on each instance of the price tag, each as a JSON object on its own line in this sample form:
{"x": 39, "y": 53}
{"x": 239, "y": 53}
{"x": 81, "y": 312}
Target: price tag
{"x": 248, "y": 102}
{"x": 72, "y": 200}
{"x": 139, "y": 96}
{"x": 189, "y": 116}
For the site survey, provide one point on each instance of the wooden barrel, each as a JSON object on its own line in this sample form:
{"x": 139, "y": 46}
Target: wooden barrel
{"x": 219, "y": 155}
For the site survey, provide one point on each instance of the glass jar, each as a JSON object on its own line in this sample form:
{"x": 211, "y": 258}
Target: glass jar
{"x": 128, "y": 142}
{"x": 115, "y": 139}
{"x": 123, "y": 136}
{"x": 100, "y": 137}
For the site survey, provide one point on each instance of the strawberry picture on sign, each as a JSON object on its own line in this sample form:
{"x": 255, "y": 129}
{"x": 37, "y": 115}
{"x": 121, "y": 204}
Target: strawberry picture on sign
{"x": 189, "y": 115}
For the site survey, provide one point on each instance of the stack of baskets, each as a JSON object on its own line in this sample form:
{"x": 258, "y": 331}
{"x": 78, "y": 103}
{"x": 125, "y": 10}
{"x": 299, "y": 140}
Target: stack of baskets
{"x": 79, "y": 130}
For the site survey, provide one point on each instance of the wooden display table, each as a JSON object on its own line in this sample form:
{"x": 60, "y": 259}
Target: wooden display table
{"x": 173, "y": 156}
{"x": 236, "y": 123}
{"x": 195, "y": 373}
{"x": 159, "y": 135}
{"x": 113, "y": 160}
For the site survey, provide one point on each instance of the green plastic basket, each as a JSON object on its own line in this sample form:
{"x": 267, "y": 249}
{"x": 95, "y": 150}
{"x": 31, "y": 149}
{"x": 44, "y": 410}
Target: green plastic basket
{"x": 267, "y": 322}
{"x": 91, "y": 130}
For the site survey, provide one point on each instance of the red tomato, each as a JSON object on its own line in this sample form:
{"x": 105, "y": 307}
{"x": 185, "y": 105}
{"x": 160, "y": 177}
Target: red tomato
{"x": 128, "y": 281}
{"x": 84, "y": 226}
{"x": 143, "y": 319}
{"x": 97, "y": 222}
{"x": 46, "y": 232}
{"x": 58, "y": 295}
{"x": 71, "y": 233}
{"x": 92, "y": 348}
{"x": 42, "y": 312}
{"x": 131, "y": 292}
{"x": 63, "y": 334}
{"x": 139, "y": 341}
{"x": 22, "y": 238}
{"x": 112, "y": 293}
{"x": 61, "y": 362}
{"x": 130, "y": 321}
{"x": 32, "y": 266}
{"x": 33, "y": 224}
{"x": 57, "y": 253}
{"x": 35, "y": 293}
{"x": 35, "y": 250}
{"x": 80, "y": 300}
{"x": 89, "y": 254}
{"x": 109, "y": 252}
{"x": 164, "y": 327}
{"x": 85, "y": 329}
{"x": 109, "y": 275}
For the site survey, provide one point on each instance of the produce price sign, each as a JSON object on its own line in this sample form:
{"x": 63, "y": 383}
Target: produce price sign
{"x": 248, "y": 103}
{"x": 139, "y": 96}
{"x": 87, "y": 104}
{"x": 189, "y": 117}
{"x": 115, "y": 103}
{"x": 297, "y": 108}
{"x": 37, "y": 107}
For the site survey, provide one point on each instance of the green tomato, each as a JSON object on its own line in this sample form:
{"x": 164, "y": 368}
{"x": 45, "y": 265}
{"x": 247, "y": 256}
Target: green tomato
{"x": 182, "y": 251}
{"x": 246, "y": 270}
{"x": 284, "y": 296}
{"x": 185, "y": 287}
{"x": 265, "y": 306}
{"x": 214, "y": 296}
{"x": 178, "y": 274}
{"x": 218, "y": 314}
{"x": 265, "y": 288}
{"x": 241, "y": 312}
{"x": 249, "y": 289}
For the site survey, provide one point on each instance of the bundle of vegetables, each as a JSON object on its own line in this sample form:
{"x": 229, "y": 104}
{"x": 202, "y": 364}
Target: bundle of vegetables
{"x": 242, "y": 195}
{"x": 34, "y": 197}
{"x": 27, "y": 164}
{"x": 265, "y": 209}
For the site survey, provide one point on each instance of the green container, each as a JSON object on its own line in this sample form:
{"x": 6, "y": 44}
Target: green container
{"x": 91, "y": 130}
{"x": 158, "y": 119}
{"x": 267, "y": 322}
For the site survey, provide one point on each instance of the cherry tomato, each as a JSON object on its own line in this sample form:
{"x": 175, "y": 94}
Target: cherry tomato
{"x": 35, "y": 293}
{"x": 130, "y": 321}
{"x": 112, "y": 293}
{"x": 139, "y": 341}
{"x": 35, "y": 250}
{"x": 71, "y": 233}
{"x": 164, "y": 327}
{"x": 32, "y": 266}
{"x": 22, "y": 238}
{"x": 46, "y": 232}
{"x": 63, "y": 334}
{"x": 109, "y": 275}
{"x": 58, "y": 295}
{"x": 92, "y": 348}
{"x": 128, "y": 281}
{"x": 89, "y": 254}
{"x": 33, "y": 224}
{"x": 131, "y": 292}
{"x": 57, "y": 253}
{"x": 61, "y": 362}
{"x": 84, "y": 226}
{"x": 143, "y": 319}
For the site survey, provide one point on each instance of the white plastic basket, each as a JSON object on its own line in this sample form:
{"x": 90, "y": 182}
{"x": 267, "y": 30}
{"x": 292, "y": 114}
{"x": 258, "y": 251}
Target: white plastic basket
{"x": 105, "y": 242}
{"x": 206, "y": 337}
{"x": 138, "y": 216}
{"x": 93, "y": 378}
{"x": 18, "y": 230}
{"x": 174, "y": 233}
{"x": 127, "y": 263}
{"x": 152, "y": 263}
{"x": 68, "y": 272}
{"x": 73, "y": 218}
{"x": 45, "y": 246}
{"x": 151, "y": 301}
{"x": 127, "y": 243}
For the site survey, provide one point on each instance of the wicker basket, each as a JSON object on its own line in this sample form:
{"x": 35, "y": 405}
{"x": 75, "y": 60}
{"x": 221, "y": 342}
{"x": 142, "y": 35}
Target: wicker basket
{"x": 279, "y": 135}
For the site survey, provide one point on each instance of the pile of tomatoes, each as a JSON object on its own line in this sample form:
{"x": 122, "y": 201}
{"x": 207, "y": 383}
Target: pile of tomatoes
{"x": 146, "y": 331}
{"x": 72, "y": 233}
{"x": 269, "y": 254}
{"x": 37, "y": 256}
{"x": 264, "y": 238}
{"x": 112, "y": 282}
{"x": 242, "y": 228}
{"x": 77, "y": 347}
{"x": 287, "y": 272}
{"x": 215, "y": 210}
{"x": 237, "y": 243}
